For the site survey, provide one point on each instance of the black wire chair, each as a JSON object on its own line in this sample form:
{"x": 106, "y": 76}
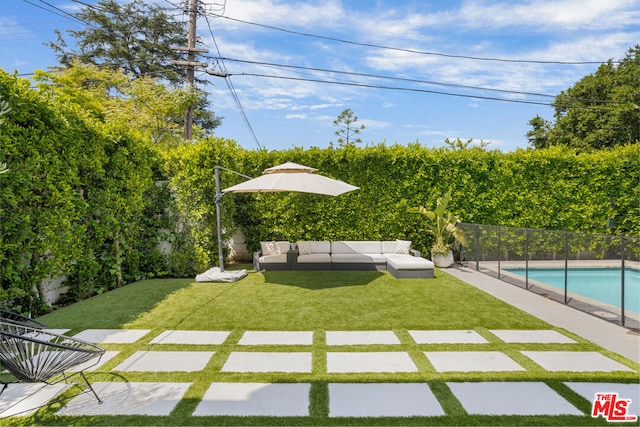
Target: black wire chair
{"x": 9, "y": 316}
{"x": 34, "y": 355}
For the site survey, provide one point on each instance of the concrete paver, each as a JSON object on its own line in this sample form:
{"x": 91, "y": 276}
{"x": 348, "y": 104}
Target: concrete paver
{"x": 374, "y": 361}
{"x": 447, "y": 337}
{"x": 511, "y": 398}
{"x": 472, "y": 361}
{"x": 239, "y": 361}
{"x": 165, "y": 361}
{"x": 361, "y": 337}
{"x": 255, "y": 399}
{"x": 382, "y": 400}
{"x": 190, "y": 337}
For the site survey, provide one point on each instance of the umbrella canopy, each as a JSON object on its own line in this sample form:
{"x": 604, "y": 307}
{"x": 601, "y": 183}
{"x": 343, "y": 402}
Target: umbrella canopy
{"x": 292, "y": 177}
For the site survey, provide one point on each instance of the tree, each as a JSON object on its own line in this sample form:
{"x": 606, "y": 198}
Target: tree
{"x": 538, "y": 136}
{"x": 600, "y": 111}
{"x": 347, "y": 128}
{"x": 135, "y": 38}
{"x": 458, "y": 144}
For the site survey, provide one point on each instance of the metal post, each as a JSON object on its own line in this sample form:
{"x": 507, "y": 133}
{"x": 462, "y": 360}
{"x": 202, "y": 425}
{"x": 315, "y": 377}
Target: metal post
{"x": 499, "y": 250}
{"x": 566, "y": 264}
{"x": 477, "y": 247}
{"x": 526, "y": 258}
{"x": 622, "y": 281}
{"x": 218, "y": 199}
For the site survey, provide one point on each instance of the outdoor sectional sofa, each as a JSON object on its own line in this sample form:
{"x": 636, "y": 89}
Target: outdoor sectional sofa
{"x": 395, "y": 256}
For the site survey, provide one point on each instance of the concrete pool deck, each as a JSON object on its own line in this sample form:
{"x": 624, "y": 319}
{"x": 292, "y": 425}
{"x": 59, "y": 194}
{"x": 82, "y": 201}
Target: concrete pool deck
{"x": 606, "y": 334}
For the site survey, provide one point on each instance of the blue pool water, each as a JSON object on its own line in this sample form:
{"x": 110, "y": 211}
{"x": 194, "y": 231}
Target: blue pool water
{"x": 602, "y": 284}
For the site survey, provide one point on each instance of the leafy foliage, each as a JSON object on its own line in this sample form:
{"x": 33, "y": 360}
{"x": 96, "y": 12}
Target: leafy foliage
{"x": 600, "y": 111}
{"x": 550, "y": 189}
{"x": 442, "y": 224}
{"x": 347, "y": 131}
{"x": 79, "y": 199}
{"x": 135, "y": 39}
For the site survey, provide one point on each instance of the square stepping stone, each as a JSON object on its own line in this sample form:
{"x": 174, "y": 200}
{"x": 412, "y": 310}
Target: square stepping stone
{"x": 191, "y": 337}
{"x": 625, "y": 391}
{"x": 239, "y": 361}
{"x": 124, "y": 398}
{"x": 383, "y": 400}
{"x": 24, "y": 399}
{"x": 532, "y": 336}
{"x": 255, "y": 399}
{"x": 166, "y": 361}
{"x": 112, "y": 336}
{"x": 511, "y": 398}
{"x": 383, "y": 361}
{"x": 472, "y": 361}
{"x": 277, "y": 338}
{"x": 575, "y": 361}
{"x": 361, "y": 337}
{"x": 448, "y": 337}
{"x": 91, "y": 365}
{"x": 57, "y": 331}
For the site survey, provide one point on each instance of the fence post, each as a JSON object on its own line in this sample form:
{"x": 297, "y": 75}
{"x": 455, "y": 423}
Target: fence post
{"x": 477, "y": 247}
{"x": 622, "y": 281}
{"x": 566, "y": 264}
{"x": 526, "y": 258}
{"x": 499, "y": 250}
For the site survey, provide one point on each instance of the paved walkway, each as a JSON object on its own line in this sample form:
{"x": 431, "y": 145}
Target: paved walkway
{"x": 606, "y": 334}
{"x": 253, "y": 353}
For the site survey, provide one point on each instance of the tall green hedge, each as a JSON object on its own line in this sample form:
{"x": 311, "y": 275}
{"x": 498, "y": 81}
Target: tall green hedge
{"x": 549, "y": 189}
{"x": 77, "y": 200}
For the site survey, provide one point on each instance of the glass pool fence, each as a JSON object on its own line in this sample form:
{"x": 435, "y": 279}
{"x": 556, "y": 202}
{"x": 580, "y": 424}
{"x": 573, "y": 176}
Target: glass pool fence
{"x": 595, "y": 273}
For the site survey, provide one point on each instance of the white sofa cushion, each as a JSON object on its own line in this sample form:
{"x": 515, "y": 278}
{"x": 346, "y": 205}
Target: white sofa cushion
{"x": 408, "y": 262}
{"x": 269, "y": 248}
{"x": 402, "y": 247}
{"x": 358, "y": 258}
{"x": 314, "y": 258}
{"x": 388, "y": 246}
{"x": 314, "y": 247}
{"x": 356, "y": 247}
{"x": 273, "y": 259}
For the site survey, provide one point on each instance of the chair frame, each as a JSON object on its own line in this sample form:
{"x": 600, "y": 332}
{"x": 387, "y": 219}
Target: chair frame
{"x": 34, "y": 355}
{"x": 10, "y": 316}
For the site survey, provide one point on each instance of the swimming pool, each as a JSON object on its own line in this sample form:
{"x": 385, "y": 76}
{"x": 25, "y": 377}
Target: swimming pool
{"x": 601, "y": 284}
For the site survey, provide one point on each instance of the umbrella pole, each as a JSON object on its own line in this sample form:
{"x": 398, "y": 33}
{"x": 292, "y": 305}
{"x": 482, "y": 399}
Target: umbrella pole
{"x": 218, "y": 218}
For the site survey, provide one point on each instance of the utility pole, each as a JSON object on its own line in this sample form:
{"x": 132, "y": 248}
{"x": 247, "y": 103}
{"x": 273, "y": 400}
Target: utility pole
{"x": 190, "y": 63}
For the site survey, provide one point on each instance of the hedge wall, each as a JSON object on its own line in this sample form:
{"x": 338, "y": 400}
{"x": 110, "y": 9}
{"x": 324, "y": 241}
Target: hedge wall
{"x": 550, "y": 189}
{"x": 78, "y": 200}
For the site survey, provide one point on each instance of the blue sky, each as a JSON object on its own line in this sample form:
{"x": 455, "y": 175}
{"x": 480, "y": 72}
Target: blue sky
{"x": 436, "y": 89}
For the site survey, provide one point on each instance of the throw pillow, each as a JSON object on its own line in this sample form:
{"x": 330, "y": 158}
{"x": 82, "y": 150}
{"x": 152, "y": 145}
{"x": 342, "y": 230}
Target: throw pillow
{"x": 269, "y": 248}
{"x": 304, "y": 248}
{"x": 402, "y": 247}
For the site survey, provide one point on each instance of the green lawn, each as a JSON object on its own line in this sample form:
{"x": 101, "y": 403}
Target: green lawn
{"x": 318, "y": 301}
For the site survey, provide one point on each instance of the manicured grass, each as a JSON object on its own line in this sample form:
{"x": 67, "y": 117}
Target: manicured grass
{"x": 317, "y": 301}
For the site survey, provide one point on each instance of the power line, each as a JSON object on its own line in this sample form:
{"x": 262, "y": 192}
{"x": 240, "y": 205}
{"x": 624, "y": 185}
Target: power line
{"x": 406, "y": 50}
{"x": 63, "y": 13}
{"x": 232, "y": 89}
{"x": 406, "y": 89}
{"x": 377, "y": 76}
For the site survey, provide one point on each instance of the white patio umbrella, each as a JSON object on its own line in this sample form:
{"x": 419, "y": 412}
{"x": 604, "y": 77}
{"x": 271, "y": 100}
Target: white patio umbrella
{"x": 292, "y": 177}
{"x": 285, "y": 177}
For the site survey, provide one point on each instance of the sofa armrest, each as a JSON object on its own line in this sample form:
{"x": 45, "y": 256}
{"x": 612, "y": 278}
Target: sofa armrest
{"x": 292, "y": 257}
{"x": 414, "y": 252}
{"x": 256, "y": 260}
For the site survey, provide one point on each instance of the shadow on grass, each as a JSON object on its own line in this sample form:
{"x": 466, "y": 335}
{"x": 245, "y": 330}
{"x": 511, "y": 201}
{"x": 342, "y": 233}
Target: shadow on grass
{"x": 121, "y": 306}
{"x": 317, "y": 280}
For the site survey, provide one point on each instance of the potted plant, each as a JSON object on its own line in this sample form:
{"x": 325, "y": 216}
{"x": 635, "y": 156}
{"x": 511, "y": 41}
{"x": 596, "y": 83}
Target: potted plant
{"x": 442, "y": 224}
